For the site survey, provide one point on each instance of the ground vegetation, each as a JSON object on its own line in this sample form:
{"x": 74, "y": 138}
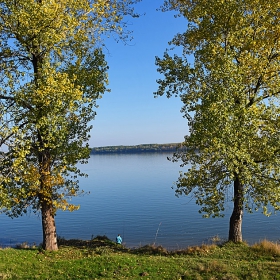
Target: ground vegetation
{"x": 100, "y": 258}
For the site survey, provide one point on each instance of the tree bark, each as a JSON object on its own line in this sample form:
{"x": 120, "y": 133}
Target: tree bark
{"x": 235, "y": 224}
{"x": 49, "y": 228}
{"x": 46, "y": 202}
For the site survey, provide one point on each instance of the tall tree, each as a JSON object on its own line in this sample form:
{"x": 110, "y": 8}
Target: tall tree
{"x": 228, "y": 80}
{"x": 52, "y": 70}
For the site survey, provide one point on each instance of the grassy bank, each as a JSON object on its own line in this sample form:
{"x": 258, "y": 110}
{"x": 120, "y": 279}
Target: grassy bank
{"x": 102, "y": 259}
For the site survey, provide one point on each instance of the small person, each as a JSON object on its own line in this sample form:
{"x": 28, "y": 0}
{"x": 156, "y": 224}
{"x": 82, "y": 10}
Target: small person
{"x": 119, "y": 239}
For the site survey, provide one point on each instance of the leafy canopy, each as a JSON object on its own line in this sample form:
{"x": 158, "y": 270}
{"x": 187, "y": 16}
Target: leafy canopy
{"x": 52, "y": 70}
{"x": 228, "y": 80}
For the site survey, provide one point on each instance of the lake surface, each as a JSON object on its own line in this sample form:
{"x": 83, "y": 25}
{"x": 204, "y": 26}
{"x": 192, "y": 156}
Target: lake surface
{"x": 131, "y": 194}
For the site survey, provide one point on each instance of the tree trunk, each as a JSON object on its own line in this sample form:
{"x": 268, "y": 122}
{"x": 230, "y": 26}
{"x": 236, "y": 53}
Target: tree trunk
{"x": 46, "y": 203}
{"x": 49, "y": 228}
{"x": 235, "y": 224}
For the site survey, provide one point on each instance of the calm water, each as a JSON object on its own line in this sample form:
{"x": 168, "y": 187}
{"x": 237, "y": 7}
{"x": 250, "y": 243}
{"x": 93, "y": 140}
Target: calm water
{"x": 132, "y": 195}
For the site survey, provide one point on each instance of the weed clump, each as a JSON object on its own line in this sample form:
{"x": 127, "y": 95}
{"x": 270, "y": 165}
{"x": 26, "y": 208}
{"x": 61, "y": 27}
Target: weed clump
{"x": 151, "y": 250}
{"x": 25, "y": 245}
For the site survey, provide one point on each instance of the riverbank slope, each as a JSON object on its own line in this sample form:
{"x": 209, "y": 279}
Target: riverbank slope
{"x": 103, "y": 259}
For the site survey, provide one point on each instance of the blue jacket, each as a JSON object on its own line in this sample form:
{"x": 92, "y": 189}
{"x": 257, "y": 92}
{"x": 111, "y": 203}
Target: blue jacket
{"x": 119, "y": 239}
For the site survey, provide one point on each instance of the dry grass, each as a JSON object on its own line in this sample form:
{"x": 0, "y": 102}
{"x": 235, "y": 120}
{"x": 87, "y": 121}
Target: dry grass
{"x": 197, "y": 250}
{"x": 211, "y": 266}
{"x": 267, "y": 247}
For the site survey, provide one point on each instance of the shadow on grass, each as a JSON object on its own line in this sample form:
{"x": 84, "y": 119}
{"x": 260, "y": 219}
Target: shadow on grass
{"x": 102, "y": 244}
{"x": 99, "y": 242}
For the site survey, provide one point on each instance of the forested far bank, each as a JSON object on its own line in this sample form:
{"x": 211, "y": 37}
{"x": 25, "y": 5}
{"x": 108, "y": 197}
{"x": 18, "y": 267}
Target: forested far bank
{"x": 142, "y": 148}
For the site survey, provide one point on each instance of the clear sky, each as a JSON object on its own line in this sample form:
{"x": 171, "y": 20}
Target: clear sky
{"x": 129, "y": 114}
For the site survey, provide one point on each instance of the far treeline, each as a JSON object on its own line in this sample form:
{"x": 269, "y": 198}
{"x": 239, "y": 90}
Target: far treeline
{"x": 143, "y": 148}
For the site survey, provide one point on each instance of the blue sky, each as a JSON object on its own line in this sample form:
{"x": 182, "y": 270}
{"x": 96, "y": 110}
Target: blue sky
{"x": 129, "y": 114}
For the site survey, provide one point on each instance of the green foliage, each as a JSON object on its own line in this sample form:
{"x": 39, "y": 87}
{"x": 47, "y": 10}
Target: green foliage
{"x": 227, "y": 78}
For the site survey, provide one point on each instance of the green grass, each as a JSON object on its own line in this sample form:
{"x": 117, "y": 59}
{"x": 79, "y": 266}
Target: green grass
{"x": 102, "y": 259}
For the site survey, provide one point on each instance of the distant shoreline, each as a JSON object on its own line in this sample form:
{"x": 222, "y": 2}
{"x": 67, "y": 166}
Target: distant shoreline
{"x": 142, "y": 148}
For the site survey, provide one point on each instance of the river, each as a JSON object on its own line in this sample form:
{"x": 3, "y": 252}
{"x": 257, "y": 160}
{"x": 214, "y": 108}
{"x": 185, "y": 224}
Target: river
{"x": 131, "y": 195}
